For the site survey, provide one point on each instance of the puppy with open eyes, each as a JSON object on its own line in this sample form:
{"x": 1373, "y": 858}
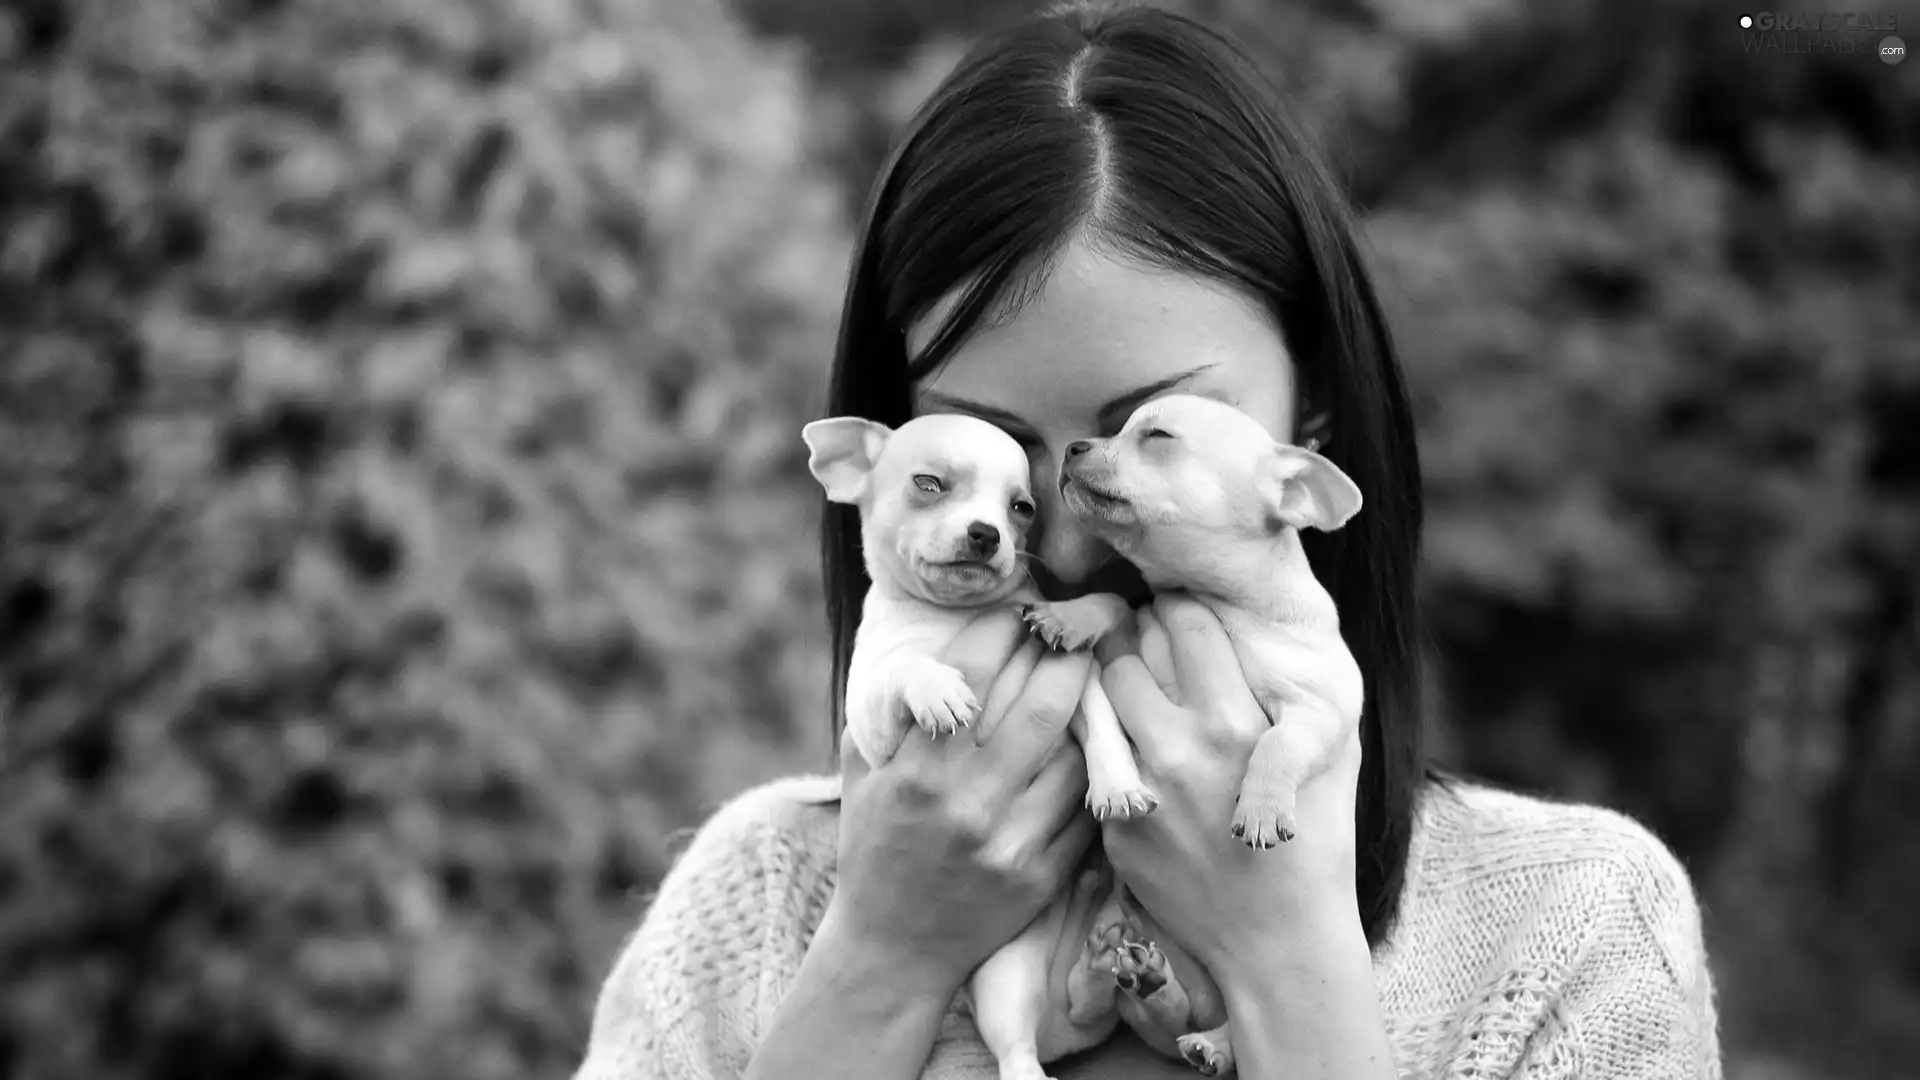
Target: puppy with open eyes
{"x": 945, "y": 505}
{"x": 1201, "y": 498}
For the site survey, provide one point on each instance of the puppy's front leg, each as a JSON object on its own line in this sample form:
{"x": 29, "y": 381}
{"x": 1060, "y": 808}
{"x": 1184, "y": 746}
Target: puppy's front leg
{"x": 1009, "y": 995}
{"x": 1114, "y": 786}
{"x": 1298, "y": 746}
{"x": 1079, "y": 623}
{"x": 935, "y": 694}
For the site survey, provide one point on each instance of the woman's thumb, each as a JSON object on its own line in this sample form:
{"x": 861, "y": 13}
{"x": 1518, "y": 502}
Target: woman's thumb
{"x": 984, "y": 647}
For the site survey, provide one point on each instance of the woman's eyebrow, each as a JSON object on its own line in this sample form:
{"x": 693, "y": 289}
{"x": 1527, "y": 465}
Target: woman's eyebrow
{"x": 985, "y": 412}
{"x": 1112, "y": 413}
{"x": 1115, "y": 412}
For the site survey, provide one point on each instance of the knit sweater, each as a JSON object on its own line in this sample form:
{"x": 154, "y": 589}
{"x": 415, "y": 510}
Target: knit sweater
{"x": 1535, "y": 940}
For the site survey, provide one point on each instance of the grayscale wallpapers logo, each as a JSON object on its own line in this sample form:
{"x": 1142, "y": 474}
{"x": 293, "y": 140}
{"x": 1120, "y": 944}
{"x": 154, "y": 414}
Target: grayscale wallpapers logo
{"x": 1797, "y": 33}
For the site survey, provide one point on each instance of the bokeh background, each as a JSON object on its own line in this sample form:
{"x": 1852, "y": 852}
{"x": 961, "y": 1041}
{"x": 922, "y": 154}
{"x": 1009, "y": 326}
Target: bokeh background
{"x": 404, "y": 529}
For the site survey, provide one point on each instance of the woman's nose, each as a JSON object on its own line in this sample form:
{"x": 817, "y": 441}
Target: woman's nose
{"x": 1070, "y": 553}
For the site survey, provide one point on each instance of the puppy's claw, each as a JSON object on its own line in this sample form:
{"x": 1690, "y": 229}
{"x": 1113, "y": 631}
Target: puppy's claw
{"x": 1266, "y": 819}
{"x": 941, "y": 702}
{"x": 1200, "y": 1053}
{"x": 1103, "y": 946}
{"x": 1064, "y": 626}
{"x": 1263, "y": 825}
{"x": 1131, "y": 803}
{"x": 1140, "y": 969}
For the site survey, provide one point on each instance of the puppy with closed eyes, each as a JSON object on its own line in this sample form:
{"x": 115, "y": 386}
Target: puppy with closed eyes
{"x": 1201, "y": 498}
{"x": 945, "y": 506}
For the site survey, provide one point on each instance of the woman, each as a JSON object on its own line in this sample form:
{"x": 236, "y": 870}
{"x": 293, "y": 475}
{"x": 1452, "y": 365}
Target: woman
{"x": 1097, "y": 207}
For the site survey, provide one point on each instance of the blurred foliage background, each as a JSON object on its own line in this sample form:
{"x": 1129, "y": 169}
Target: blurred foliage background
{"x": 404, "y": 530}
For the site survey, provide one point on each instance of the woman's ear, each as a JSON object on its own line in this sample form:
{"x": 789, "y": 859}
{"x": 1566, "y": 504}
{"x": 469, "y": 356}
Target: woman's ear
{"x": 1303, "y": 490}
{"x": 1314, "y": 429}
{"x": 844, "y": 450}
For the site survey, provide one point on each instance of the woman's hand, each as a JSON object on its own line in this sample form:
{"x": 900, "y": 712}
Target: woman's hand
{"x": 949, "y": 849}
{"x": 1180, "y": 694}
{"x": 1279, "y": 930}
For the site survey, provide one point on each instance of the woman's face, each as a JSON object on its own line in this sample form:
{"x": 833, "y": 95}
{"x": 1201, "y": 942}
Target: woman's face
{"x": 1103, "y": 337}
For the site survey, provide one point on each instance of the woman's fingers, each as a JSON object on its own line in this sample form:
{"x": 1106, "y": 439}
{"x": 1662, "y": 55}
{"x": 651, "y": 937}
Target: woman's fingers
{"x": 1204, "y": 663}
{"x": 1006, "y": 689}
{"x": 981, "y": 651}
{"x": 1212, "y": 683}
{"x": 994, "y": 654}
{"x": 1158, "y": 654}
{"x": 1057, "y": 794}
{"x": 1149, "y": 718}
{"x": 1036, "y": 722}
{"x": 1063, "y": 853}
{"x": 1123, "y": 640}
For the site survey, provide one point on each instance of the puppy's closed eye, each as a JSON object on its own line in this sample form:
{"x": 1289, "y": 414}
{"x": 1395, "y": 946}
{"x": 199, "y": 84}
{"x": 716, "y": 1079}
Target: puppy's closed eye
{"x": 1156, "y": 433}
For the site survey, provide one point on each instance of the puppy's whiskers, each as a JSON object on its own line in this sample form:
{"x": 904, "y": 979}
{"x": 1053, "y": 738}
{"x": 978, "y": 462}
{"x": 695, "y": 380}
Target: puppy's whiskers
{"x": 1027, "y": 560}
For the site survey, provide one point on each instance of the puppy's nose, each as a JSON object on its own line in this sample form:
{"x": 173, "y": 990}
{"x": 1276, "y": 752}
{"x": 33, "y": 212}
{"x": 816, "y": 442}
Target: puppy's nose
{"x": 1078, "y": 447}
{"x": 984, "y": 537}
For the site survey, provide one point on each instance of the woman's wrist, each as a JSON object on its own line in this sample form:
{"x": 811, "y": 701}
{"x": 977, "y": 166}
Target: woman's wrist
{"x": 857, "y": 1009}
{"x": 1303, "y": 1002}
{"x": 907, "y": 972}
{"x": 1310, "y": 947}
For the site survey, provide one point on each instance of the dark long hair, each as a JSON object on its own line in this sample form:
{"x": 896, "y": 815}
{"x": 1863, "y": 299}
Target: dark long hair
{"x": 1155, "y": 137}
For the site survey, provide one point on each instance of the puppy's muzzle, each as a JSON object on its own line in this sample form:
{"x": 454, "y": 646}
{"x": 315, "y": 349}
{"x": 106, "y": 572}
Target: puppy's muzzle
{"x": 1073, "y": 460}
{"x": 1081, "y": 464}
{"x": 983, "y": 540}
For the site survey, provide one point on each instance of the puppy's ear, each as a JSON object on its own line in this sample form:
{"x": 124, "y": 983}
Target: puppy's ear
{"x": 844, "y": 449}
{"x": 1306, "y": 491}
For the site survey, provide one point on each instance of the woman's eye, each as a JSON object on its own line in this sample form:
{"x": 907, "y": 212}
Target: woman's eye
{"x": 1023, "y": 507}
{"x": 930, "y": 484}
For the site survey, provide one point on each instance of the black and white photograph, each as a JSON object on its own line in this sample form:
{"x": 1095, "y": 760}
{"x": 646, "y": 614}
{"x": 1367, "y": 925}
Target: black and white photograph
{"x": 959, "y": 540}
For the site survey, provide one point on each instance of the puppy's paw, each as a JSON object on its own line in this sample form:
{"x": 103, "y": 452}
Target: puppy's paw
{"x": 1140, "y": 969}
{"x": 1073, "y": 624}
{"x": 1104, "y": 944}
{"x": 1199, "y": 1051}
{"x": 1120, "y": 803}
{"x": 1090, "y": 987}
{"x": 940, "y": 701}
{"x": 1265, "y": 821}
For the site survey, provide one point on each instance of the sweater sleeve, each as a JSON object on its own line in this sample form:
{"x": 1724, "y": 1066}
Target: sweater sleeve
{"x": 1636, "y": 999}
{"x": 685, "y": 998}
{"x": 696, "y": 986}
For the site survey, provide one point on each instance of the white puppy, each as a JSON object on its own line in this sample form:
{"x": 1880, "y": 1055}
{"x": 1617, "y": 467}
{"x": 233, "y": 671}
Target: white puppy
{"x": 1200, "y": 497}
{"x": 945, "y": 506}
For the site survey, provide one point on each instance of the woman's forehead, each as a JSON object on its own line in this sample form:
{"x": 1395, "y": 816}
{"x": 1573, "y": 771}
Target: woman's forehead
{"x": 1100, "y": 330}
